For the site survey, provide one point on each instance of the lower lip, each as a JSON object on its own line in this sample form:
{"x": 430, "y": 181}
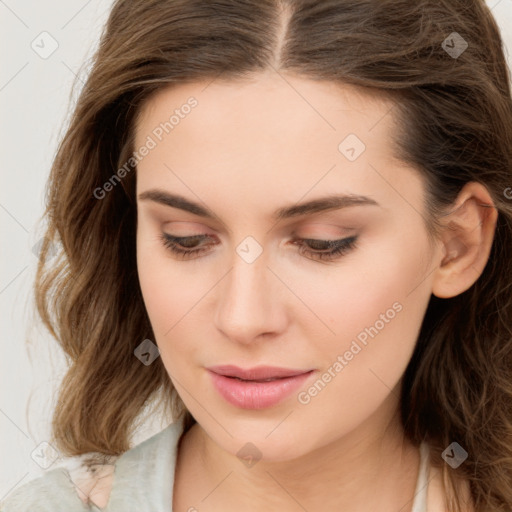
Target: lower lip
{"x": 257, "y": 395}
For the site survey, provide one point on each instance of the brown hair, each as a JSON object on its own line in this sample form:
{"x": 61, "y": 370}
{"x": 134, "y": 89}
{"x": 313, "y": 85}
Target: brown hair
{"x": 454, "y": 115}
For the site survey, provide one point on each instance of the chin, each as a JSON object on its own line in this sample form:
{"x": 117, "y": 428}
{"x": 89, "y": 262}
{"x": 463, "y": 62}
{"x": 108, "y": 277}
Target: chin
{"x": 264, "y": 438}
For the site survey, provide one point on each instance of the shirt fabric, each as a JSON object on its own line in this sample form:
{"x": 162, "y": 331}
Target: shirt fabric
{"x": 143, "y": 481}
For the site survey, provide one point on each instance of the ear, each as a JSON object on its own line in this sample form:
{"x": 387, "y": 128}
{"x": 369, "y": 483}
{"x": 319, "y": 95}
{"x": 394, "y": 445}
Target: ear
{"x": 466, "y": 240}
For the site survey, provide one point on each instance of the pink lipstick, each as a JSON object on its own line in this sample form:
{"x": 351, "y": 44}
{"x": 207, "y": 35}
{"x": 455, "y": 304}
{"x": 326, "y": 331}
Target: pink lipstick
{"x": 256, "y": 388}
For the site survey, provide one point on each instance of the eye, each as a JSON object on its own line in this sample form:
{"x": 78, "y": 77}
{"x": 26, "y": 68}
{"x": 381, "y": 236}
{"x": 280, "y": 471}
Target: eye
{"x": 325, "y": 250}
{"x": 184, "y": 246}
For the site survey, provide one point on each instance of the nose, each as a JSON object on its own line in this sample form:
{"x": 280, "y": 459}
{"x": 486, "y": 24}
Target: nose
{"x": 251, "y": 303}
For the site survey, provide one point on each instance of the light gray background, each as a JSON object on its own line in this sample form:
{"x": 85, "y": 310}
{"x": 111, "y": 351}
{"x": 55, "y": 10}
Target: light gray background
{"x": 35, "y": 96}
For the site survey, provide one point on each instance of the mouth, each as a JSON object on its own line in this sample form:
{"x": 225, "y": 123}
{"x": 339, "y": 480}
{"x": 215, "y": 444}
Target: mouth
{"x": 256, "y": 380}
{"x": 259, "y": 373}
{"x": 256, "y": 388}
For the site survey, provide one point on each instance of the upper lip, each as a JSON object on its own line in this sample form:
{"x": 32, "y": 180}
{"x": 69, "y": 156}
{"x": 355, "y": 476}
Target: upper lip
{"x": 256, "y": 373}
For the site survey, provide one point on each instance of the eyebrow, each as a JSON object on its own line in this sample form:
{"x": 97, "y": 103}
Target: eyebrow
{"x": 332, "y": 202}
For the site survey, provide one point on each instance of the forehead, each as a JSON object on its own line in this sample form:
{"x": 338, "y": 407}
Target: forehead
{"x": 290, "y": 101}
{"x": 268, "y": 136}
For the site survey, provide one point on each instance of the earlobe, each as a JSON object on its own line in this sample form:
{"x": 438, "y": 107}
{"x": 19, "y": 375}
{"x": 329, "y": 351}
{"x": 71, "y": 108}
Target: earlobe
{"x": 466, "y": 240}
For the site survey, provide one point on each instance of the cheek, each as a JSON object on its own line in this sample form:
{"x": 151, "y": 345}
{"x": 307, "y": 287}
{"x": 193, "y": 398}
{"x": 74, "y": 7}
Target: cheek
{"x": 352, "y": 294}
{"x": 170, "y": 296}
{"x": 159, "y": 283}
{"x": 370, "y": 308}
{"x": 375, "y": 311}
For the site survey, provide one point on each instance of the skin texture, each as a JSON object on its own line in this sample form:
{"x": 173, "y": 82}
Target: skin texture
{"x": 247, "y": 149}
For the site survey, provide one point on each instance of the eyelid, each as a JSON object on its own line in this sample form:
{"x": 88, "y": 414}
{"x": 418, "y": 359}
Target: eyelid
{"x": 325, "y": 234}
{"x": 189, "y": 228}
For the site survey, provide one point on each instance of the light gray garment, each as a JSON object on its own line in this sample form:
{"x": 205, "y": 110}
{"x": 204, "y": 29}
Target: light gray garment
{"x": 143, "y": 482}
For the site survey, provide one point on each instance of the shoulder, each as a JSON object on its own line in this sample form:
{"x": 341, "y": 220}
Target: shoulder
{"x": 146, "y": 472}
{"x": 437, "y": 496}
{"x": 48, "y": 493}
{"x": 79, "y": 486}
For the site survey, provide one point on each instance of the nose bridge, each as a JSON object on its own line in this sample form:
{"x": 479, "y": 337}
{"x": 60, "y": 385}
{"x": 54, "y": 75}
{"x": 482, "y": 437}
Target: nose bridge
{"x": 247, "y": 306}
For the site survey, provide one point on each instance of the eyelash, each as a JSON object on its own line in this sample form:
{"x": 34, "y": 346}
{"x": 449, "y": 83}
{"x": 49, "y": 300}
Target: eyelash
{"x": 337, "y": 247}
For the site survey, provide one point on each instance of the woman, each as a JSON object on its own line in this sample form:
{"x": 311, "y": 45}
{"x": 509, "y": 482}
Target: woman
{"x": 292, "y": 223}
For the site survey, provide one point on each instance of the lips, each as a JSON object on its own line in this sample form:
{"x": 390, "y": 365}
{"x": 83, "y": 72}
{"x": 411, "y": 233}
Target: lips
{"x": 256, "y": 388}
{"x": 260, "y": 373}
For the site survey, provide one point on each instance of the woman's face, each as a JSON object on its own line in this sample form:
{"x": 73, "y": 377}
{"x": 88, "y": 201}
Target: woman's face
{"x": 257, "y": 294}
